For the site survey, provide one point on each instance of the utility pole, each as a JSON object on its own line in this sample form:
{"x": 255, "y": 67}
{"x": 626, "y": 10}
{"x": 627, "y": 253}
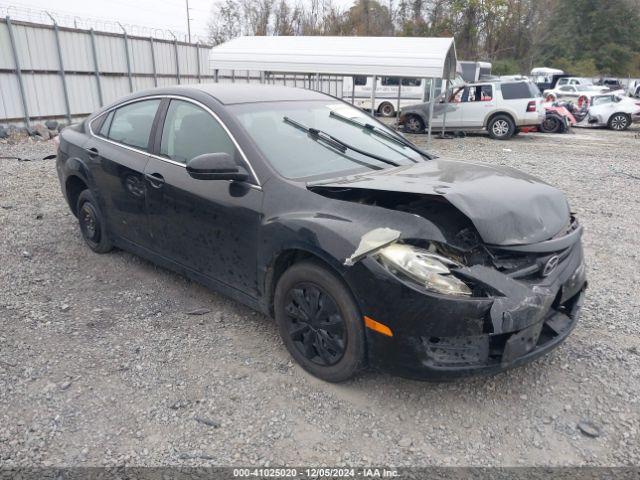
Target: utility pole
{"x": 188, "y": 22}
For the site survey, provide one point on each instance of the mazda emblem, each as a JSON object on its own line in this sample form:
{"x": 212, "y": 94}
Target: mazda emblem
{"x": 550, "y": 266}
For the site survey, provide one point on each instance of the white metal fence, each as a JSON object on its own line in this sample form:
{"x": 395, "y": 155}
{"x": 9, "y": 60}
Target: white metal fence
{"x": 55, "y": 72}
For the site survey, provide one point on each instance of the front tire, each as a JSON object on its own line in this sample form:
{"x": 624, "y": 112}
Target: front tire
{"x": 319, "y": 322}
{"x": 414, "y": 124}
{"x": 501, "y": 127}
{"x": 619, "y": 122}
{"x": 92, "y": 223}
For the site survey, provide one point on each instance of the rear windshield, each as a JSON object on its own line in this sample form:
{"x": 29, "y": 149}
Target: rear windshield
{"x": 513, "y": 91}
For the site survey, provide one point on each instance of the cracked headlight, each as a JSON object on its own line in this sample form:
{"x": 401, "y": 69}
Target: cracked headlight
{"x": 428, "y": 269}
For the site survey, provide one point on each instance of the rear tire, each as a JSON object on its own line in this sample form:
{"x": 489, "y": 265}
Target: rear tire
{"x": 619, "y": 121}
{"x": 319, "y": 322}
{"x": 386, "y": 110}
{"x": 413, "y": 124}
{"x": 92, "y": 224}
{"x": 501, "y": 127}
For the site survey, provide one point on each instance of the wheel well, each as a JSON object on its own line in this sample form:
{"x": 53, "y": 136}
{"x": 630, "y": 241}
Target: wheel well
{"x": 493, "y": 115}
{"x": 620, "y": 113}
{"x": 281, "y": 263}
{"x": 74, "y": 187}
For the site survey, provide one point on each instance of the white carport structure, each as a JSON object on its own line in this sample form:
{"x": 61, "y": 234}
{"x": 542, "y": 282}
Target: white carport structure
{"x": 404, "y": 57}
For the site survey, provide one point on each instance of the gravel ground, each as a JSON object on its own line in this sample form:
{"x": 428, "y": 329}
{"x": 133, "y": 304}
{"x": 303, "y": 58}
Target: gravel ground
{"x": 100, "y": 363}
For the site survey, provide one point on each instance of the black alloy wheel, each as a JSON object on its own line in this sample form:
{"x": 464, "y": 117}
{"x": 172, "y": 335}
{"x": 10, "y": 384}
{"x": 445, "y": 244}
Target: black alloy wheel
{"x": 315, "y": 324}
{"x": 319, "y": 321}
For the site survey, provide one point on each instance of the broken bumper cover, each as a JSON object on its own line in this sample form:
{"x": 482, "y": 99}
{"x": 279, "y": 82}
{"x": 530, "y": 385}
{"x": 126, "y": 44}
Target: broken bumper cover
{"x": 445, "y": 358}
{"x": 437, "y": 337}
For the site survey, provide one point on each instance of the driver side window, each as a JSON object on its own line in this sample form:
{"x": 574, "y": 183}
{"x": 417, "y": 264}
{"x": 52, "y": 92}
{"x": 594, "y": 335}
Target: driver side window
{"x": 190, "y": 131}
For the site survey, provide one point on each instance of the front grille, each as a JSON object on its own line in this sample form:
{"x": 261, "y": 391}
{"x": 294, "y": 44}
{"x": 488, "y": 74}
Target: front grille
{"x": 529, "y": 265}
{"x": 525, "y": 265}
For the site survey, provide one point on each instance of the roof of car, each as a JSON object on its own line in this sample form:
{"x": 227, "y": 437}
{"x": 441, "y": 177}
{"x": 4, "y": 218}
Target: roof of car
{"x": 230, "y": 93}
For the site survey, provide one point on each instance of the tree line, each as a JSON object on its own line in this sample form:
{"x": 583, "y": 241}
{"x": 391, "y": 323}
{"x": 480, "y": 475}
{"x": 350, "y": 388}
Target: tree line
{"x": 584, "y": 37}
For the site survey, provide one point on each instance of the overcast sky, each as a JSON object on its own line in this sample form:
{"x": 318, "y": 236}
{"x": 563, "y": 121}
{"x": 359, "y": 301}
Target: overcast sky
{"x": 165, "y": 14}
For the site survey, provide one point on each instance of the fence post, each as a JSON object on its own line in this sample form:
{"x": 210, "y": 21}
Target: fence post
{"x": 373, "y": 95}
{"x": 175, "y": 48}
{"x": 96, "y": 66}
{"x": 198, "y": 60}
{"x": 16, "y": 60}
{"x": 399, "y": 96}
{"x": 153, "y": 62}
{"x": 126, "y": 51}
{"x": 65, "y": 92}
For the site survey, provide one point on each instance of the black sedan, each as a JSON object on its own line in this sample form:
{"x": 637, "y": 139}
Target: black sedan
{"x": 365, "y": 249}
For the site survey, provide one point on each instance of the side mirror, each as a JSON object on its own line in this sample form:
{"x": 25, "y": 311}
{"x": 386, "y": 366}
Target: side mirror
{"x": 215, "y": 166}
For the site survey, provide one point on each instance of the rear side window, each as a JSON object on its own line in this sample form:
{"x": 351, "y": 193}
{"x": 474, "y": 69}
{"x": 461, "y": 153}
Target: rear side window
{"x": 390, "y": 81}
{"x": 360, "y": 80}
{"x": 514, "y": 91}
{"x": 131, "y": 124}
{"x": 190, "y": 131}
{"x": 477, "y": 93}
{"x": 411, "y": 82}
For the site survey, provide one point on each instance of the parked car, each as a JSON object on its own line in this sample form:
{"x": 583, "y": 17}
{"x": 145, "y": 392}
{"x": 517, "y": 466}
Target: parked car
{"x": 613, "y": 111}
{"x": 633, "y": 88}
{"x": 501, "y": 108}
{"x": 566, "y": 80}
{"x": 364, "y": 248}
{"x": 612, "y": 84}
{"x": 579, "y": 93}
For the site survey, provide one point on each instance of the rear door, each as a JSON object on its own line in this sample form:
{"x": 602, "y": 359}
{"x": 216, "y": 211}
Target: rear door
{"x": 208, "y": 226}
{"x": 118, "y": 152}
{"x": 517, "y": 98}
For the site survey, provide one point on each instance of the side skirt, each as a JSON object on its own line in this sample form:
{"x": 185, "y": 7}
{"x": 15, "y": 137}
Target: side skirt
{"x": 208, "y": 282}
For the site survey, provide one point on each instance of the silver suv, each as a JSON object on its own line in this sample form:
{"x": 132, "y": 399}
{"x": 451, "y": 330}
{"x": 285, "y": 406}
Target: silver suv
{"x": 501, "y": 108}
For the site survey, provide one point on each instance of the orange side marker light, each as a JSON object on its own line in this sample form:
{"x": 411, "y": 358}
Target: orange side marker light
{"x": 377, "y": 326}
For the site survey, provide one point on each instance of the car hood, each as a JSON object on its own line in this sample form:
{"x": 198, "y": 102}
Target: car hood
{"x": 507, "y": 206}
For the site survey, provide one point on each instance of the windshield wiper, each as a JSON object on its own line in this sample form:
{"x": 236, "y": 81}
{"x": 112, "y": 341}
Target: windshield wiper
{"x": 378, "y": 131}
{"x": 329, "y": 139}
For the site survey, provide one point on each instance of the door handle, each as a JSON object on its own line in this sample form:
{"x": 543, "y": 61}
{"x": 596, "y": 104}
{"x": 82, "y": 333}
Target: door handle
{"x": 155, "y": 179}
{"x": 93, "y": 151}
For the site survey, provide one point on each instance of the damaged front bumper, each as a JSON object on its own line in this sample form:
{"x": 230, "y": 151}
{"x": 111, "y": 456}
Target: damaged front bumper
{"x": 440, "y": 337}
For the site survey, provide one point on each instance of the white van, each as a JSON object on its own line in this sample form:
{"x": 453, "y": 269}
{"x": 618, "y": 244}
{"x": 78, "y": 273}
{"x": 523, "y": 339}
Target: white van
{"x": 386, "y": 94}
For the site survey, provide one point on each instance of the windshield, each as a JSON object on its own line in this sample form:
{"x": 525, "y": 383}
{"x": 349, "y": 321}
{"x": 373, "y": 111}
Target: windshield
{"x": 298, "y": 154}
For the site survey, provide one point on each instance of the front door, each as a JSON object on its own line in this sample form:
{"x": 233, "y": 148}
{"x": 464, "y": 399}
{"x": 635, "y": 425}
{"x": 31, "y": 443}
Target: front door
{"x": 208, "y": 226}
{"x": 477, "y": 102}
{"x": 119, "y": 151}
{"x": 448, "y": 113}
